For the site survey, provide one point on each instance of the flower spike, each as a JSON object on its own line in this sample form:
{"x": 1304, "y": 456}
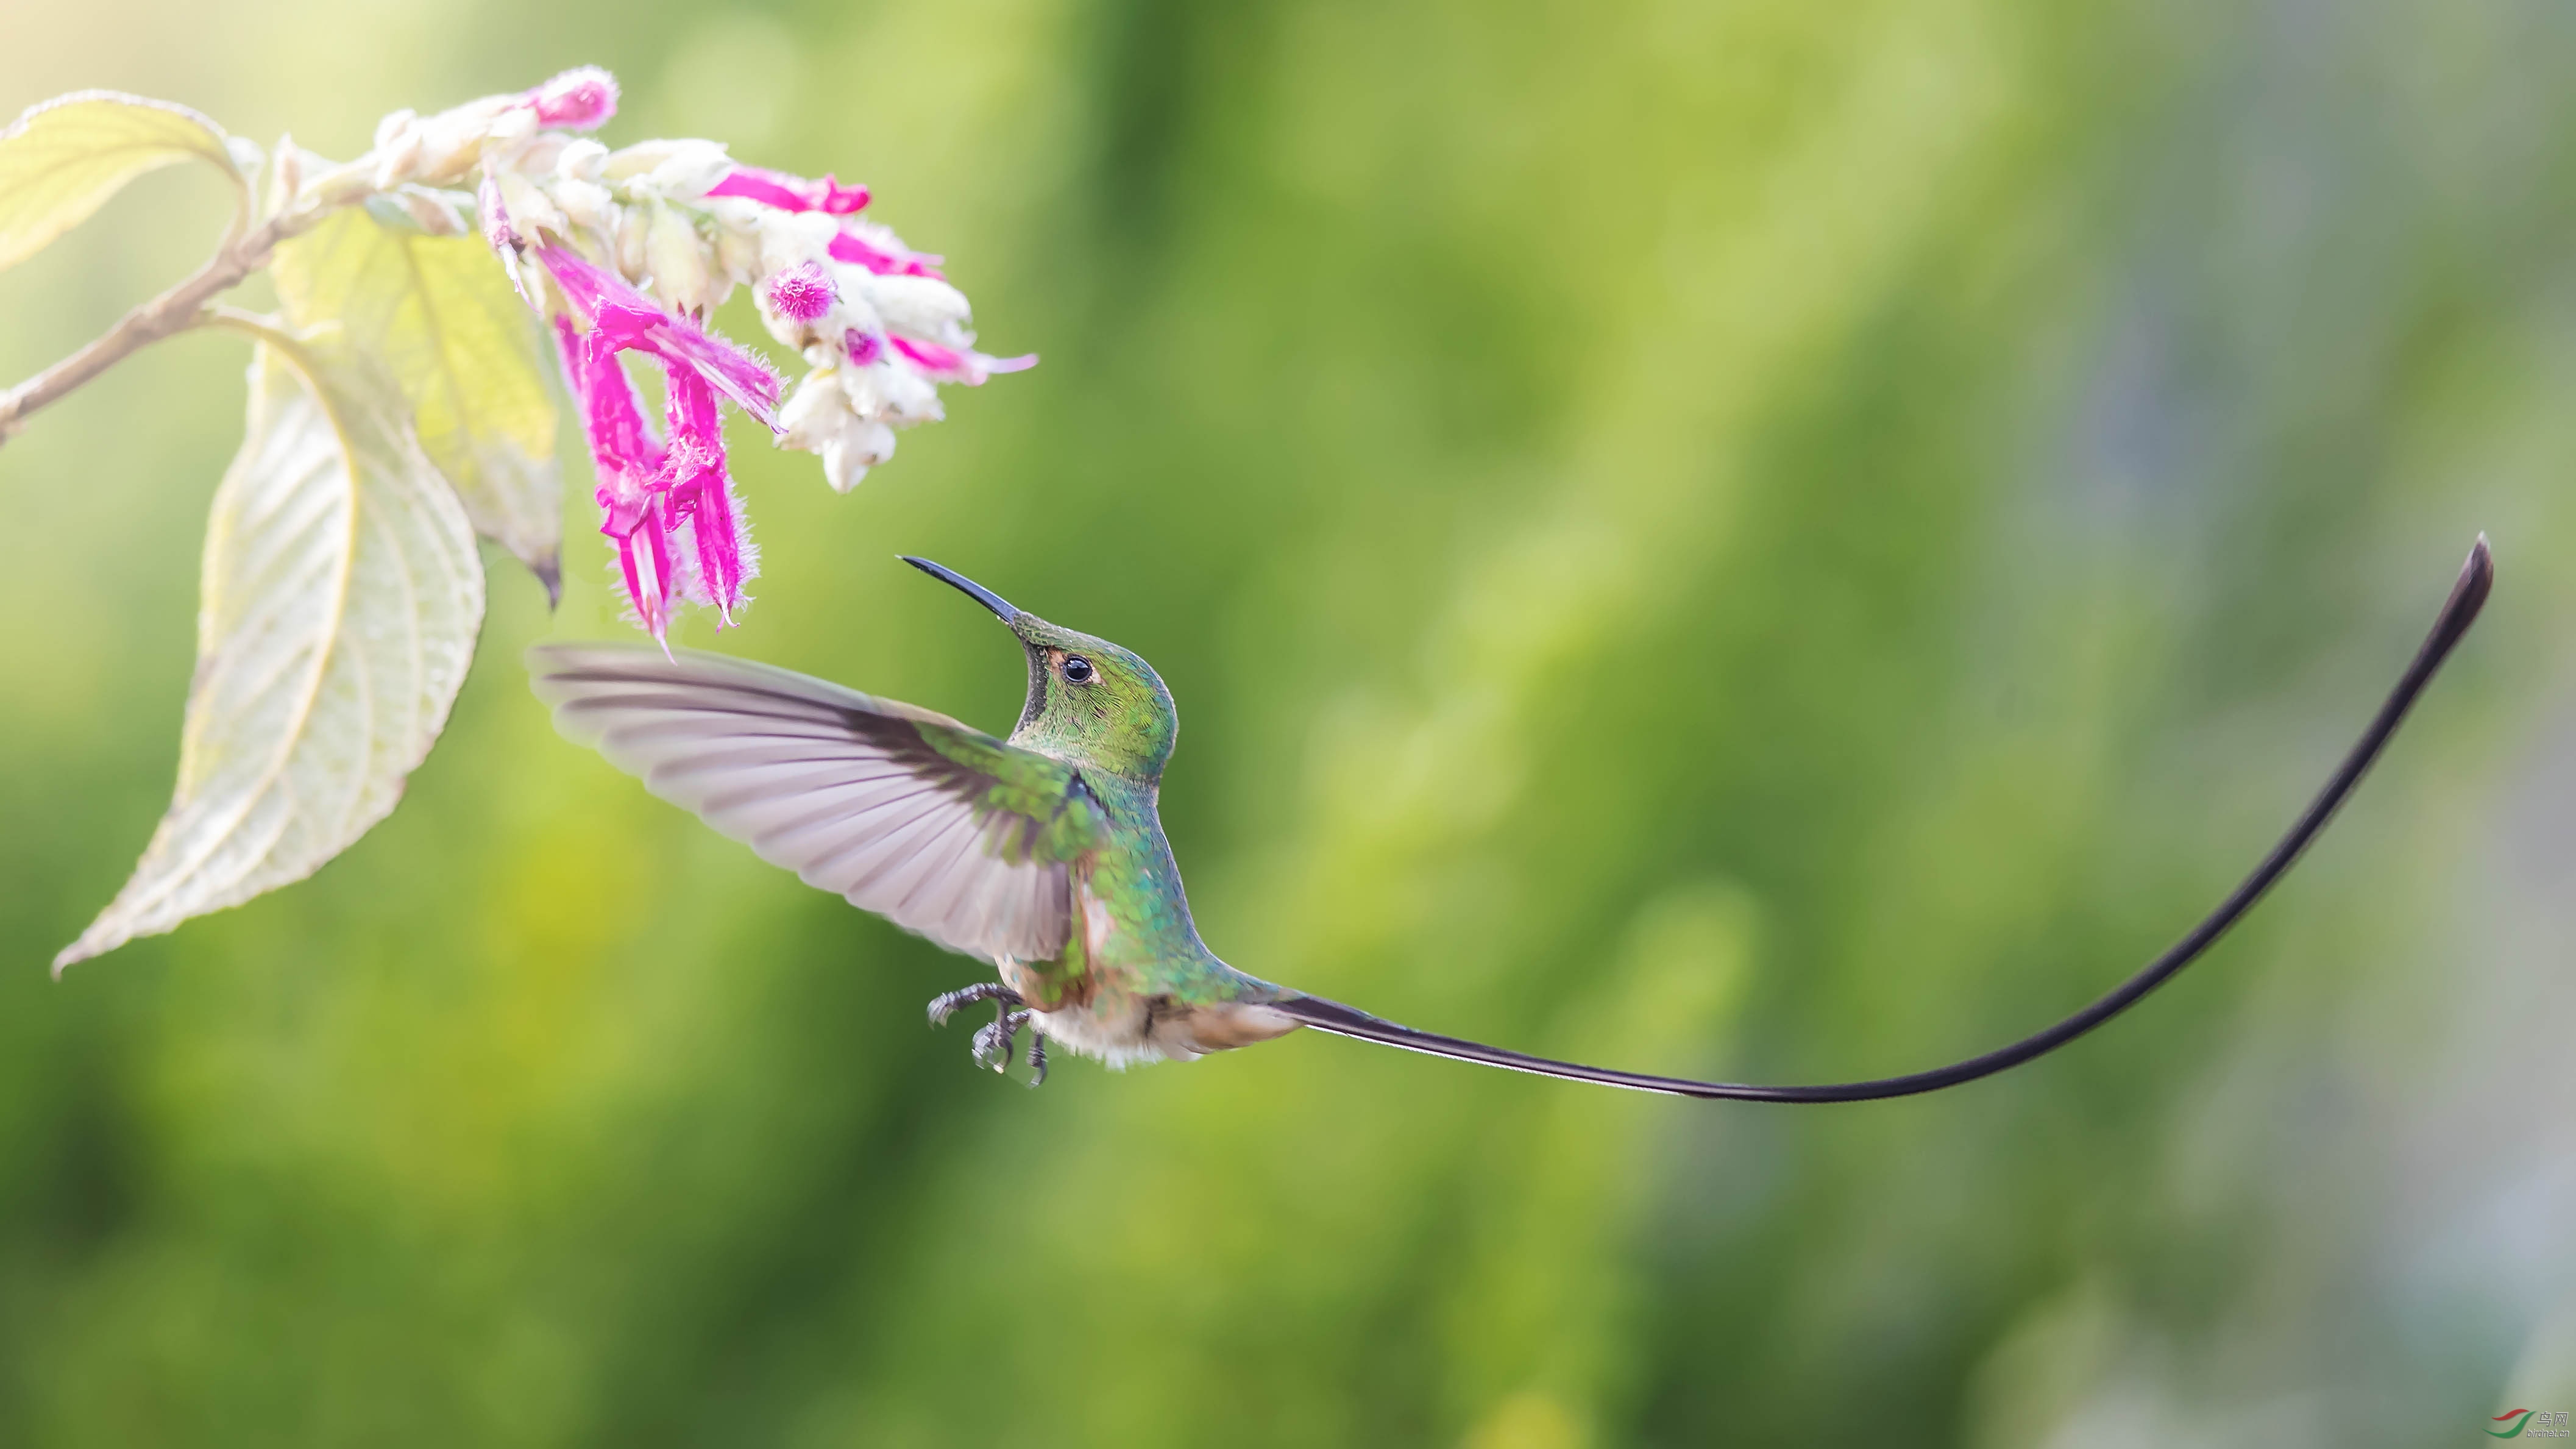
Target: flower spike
{"x": 640, "y": 244}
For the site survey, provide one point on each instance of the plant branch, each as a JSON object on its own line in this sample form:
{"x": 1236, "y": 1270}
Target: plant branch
{"x": 172, "y": 311}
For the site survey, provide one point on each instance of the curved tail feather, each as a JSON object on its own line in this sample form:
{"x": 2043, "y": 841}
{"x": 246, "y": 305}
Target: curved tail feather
{"x": 2468, "y": 596}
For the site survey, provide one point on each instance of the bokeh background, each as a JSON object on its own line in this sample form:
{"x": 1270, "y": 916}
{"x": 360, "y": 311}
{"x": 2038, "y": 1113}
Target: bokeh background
{"x": 1768, "y": 539}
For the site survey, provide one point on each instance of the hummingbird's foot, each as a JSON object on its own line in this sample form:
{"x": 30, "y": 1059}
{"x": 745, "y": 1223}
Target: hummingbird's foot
{"x": 945, "y": 1006}
{"x": 993, "y": 1043}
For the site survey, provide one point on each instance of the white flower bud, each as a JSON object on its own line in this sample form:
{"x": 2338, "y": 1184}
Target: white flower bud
{"x": 859, "y": 385}
{"x": 511, "y": 126}
{"x": 734, "y": 213}
{"x": 677, "y": 259}
{"x": 791, "y": 239}
{"x": 853, "y": 312}
{"x": 907, "y": 396}
{"x": 921, "y": 307}
{"x": 397, "y": 149}
{"x": 632, "y": 225}
{"x": 645, "y": 157}
{"x": 538, "y": 155}
{"x": 451, "y": 142}
{"x": 853, "y": 451}
{"x": 687, "y": 173}
{"x": 585, "y": 203}
{"x": 814, "y": 412}
{"x": 392, "y": 126}
{"x": 738, "y": 254}
{"x": 582, "y": 160}
{"x": 529, "y": 208}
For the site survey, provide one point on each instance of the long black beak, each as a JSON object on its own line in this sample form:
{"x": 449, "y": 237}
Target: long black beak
{"x": 966, "y": 586}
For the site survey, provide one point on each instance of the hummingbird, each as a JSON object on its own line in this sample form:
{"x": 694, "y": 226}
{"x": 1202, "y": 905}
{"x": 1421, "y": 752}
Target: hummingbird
{"x": 1043, "y": 852}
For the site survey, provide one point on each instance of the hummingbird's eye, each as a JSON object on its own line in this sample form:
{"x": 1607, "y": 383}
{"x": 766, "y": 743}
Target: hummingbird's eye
{"x": 1077, "y": 669}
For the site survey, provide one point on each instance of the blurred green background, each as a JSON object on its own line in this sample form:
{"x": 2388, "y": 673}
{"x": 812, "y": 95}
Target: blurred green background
{"x": 1768, "y": 539}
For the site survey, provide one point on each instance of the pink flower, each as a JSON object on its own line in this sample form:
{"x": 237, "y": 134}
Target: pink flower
{"x": 629, "y": 461}
{"x": 577, "y": 100}
{"x": 795, "y": 295}
{"x": 701, "y": 496}
{"x": 858, "y": 251}
{"x": 621, "y": 441}
{"x": 957, "y": 364}
{"x": 631, "y": 322}
{"x": 669, "y": 506}
{"x": 791, "y": 193}
{"x": 801, "y": 293}
{"x": 882, "y": 255}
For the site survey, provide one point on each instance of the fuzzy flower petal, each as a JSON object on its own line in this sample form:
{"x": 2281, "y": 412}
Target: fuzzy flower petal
{"x": 621, "y": 441}
{"x": 577, "y": 100}
{"x": 801, "y": 293}
{"x": 630, "y": 320}
{"x": 702, "y": 494}
{"x": 958, "y": 364}
{"x": 791, "y": 193}
{"x": 886, "y": 261}
{"x": 633, "y": 469}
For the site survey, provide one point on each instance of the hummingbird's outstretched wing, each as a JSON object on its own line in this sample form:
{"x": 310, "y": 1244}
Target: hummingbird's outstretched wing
{"x": 2468, "y": 596}
{"x": 939, "y": 827}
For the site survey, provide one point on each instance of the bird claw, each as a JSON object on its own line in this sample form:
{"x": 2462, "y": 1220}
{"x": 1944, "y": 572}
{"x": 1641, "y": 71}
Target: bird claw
{"x": 945, "y": 1005}
{"x": 993, "y": 1043}
{"x": 989, "y": 1049}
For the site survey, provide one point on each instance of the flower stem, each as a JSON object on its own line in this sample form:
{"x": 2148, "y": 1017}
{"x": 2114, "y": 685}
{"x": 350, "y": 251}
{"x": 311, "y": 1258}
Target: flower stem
{"x": 172, "y": 311}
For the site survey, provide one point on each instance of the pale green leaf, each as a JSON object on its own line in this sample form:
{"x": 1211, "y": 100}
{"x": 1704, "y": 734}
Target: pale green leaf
{"x": 62, "y": 160}
{"x": 472, "y": 360}
{"x": 339, "y": 604}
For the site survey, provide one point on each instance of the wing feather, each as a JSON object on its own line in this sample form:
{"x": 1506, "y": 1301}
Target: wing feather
{"x": 935, "y": 882}
{"x": 896, "y": 809}
{"x": 875, "y": 860}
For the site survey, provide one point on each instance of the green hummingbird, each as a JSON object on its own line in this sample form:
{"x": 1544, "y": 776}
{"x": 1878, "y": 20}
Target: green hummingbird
{"x": 1044, "y": 852}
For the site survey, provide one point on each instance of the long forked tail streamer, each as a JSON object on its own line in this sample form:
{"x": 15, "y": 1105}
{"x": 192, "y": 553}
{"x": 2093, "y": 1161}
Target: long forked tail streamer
{"x": 2467, "y": 597}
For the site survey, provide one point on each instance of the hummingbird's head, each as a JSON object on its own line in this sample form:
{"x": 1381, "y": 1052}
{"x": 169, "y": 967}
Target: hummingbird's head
{"x": 1090, "y": 701}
